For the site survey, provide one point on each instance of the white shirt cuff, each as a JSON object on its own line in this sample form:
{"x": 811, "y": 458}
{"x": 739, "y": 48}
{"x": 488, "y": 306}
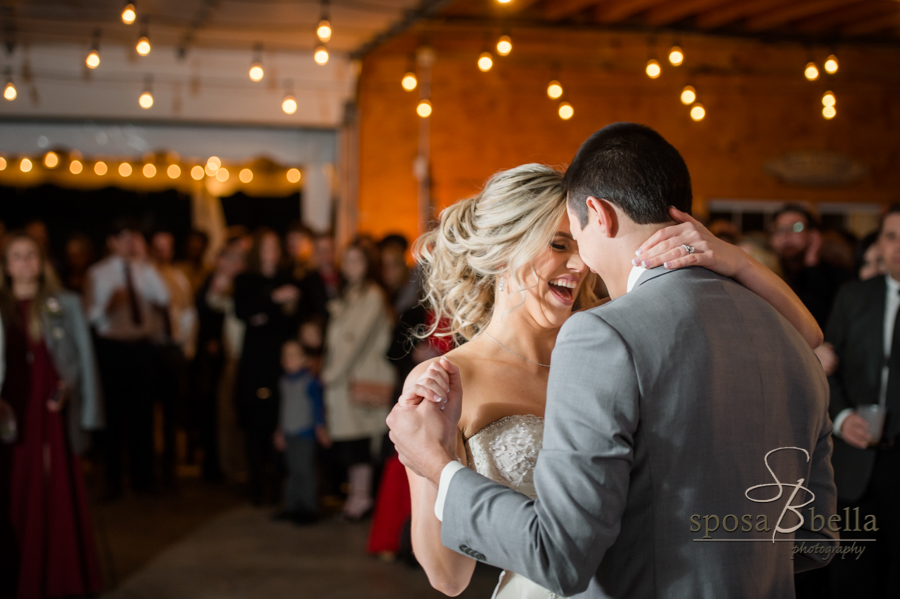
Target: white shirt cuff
{"x": 446, "y": 474}
{"x": 839, "y": 420}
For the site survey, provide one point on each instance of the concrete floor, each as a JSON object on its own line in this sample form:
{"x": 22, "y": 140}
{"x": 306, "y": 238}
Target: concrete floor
{"x": 203, "y": 542}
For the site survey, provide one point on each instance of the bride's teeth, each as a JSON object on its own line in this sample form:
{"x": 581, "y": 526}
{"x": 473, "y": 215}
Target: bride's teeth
{"x": 566, "y": 284}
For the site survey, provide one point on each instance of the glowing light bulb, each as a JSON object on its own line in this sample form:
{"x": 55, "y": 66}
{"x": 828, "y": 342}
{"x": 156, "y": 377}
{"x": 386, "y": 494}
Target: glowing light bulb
{"x": 688, "y": 95}
{"x": 128, "y": 14}
{"x": 289, "y": 105}
{"x": 143, "y": 46}
{"x": 125, "y": 169}
{"x": 246, "y": 175}
{"x": 831, "y": 65}
{"x": 149, "y": 171}
{"x": 93, "y": 60}
{"x": 653, "y": 69}
{"x": 51, "y": 160}
{"x": 197, "y": 173}
{"x": 174, "y": 171}
{"x": 222, "y": 174}
{"x": 566, "y": 111}
{"x": 828, "y": 99}
{"x": 2, "y": 163}
{"x": 829, "y": 112}
{"x": 25, "y": 165}
{"x": 321, "y": 55}
{"x": 485, "y": 62}
{"x": 75, "y": 167}
{"x": 504, "y": 1}
{"x": 676, "y": 56}
{"x": 146, "y": 100}
{"x": 409, "y": 81}
{"x": 293, "y": 175}
{"x": 554, "y": 90}
{"x": 9, "y": 92}
{"x": 214, "y": 162}
{"x": 424, "y": 108}
{"x": 256, "y": 72}
{"x": 698, "y": 112}
{"x": 811, "y": 72}
{"x": 504, "y": 45}
{"x": 100, "y": 168}
{"x": 323, "y": 31}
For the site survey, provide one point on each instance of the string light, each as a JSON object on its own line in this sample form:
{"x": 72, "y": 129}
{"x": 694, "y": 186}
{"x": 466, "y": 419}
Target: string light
{"x": 100, "y": 168}
{"x": 212, "y": 166}
{"x": 75, "y": 167}
{"x": 409, "y": 81}
{"x": 293, "y": 175}
{"x": 321, "y": 55}
{"x": 566, "y": 111}
{"x": 2, "y": 163}
{"x": 653, "y": 69}
{"x": 424, "y": 108}
{"x": 676, "y": 56}
{"x": 25, "y": 165}
{"x": 688, "y": 95}
{"x": 146, "y": 98}
{"x": 831, "y": 65}
{"x": 504, "y": 45}
{"x": 504, "y": 1}
{"x": 698, "y": 113}
{"x": 51, "y": 160}
{"x": 93, "y": 58}
{"x": 222, "y": 174}
{"x": 128, "y": 14}
{"x": 256, "y": 69}
{"x": 829, "y": 112}
{"x": 485, "y": 62}
{"x": 828, "y": 99}
{"x": 9, "y": 91}
{"x": 811, "y": 72}
{"x": 174, "y": 171}
{"x": 197, "y": 173}
{"x": 554, "y": 90}
{"x": 149, "y": 170}
{"x": 143, "y": 45}
{"x": 246, "y": 175}
{"x": 323, "y": 29}
{"x": 289, "y": 104}
{"x": 125, "y": 169}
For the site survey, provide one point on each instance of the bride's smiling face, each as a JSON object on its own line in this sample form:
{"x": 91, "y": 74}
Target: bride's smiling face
{"x": 552, "y": 281}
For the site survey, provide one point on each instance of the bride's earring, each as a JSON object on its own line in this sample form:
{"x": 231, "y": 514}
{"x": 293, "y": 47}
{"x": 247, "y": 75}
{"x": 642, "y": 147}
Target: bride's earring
{"x": 502, "y": 284}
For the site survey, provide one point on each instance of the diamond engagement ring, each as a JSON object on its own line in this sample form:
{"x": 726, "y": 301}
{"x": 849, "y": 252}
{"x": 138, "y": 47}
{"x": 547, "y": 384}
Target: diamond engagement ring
{"x": 688, "y": 248}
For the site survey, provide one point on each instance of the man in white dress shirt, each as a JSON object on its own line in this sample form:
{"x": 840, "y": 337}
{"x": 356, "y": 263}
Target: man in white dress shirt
{"x": 124, "y": 295}
{"x": 864, "y": 331}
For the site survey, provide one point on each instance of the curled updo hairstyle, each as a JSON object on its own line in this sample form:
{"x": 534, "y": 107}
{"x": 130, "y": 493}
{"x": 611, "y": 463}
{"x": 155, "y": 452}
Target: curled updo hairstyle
{"x": 500, "y": 230}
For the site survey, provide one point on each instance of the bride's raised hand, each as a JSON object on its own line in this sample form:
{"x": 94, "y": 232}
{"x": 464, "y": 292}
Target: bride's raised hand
{"x": 432, "y": 385}
{"x": 667, "y": 248}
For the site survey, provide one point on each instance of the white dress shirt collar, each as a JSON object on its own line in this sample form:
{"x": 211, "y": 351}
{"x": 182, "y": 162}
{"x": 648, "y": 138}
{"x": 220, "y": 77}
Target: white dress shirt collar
{"x": 633, "y": 276}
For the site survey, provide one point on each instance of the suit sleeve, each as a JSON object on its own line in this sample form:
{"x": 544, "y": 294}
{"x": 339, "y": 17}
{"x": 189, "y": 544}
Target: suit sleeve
{"x": 581, "y": 477}
{"x": 836, "y": 334}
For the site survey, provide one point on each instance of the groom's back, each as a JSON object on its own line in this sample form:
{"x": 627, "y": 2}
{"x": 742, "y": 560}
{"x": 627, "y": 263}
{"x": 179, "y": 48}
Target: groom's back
{"x": 723, "y": 380}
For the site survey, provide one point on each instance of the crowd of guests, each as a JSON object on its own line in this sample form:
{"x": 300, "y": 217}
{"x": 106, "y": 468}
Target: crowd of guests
{"x": 274, "y": 365}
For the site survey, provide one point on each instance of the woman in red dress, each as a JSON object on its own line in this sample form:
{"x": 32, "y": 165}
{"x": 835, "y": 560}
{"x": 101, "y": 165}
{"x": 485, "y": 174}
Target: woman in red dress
{"x": 51, "y": 387}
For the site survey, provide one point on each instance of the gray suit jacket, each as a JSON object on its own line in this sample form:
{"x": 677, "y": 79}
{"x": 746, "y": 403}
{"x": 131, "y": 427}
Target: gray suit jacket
{"x": 68, "y": 340}
{"x": 662, "y": 406}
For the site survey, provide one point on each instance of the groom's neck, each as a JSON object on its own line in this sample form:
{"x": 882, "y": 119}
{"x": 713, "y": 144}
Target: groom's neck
{"x": 629, "y": 239}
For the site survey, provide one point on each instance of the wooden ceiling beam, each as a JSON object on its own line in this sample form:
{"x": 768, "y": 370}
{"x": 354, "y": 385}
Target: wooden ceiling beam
{"x": 619, "y": 10}
{"x": 560, "y": 9}
{"x": 874, "y": 25}
{"x": 672, "y": 12}
{"x": 735, "y": 11}
{"x": 845, "y": 15}
{"x": 792, "y": 12}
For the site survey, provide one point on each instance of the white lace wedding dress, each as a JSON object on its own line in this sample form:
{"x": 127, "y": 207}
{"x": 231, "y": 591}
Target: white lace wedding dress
{"x": 506, "y": 451}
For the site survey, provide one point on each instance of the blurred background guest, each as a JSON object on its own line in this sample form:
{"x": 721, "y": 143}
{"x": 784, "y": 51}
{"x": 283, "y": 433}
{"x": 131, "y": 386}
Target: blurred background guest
{"x": 299, "y": 246}
{"x": 359, "y": 380}
{"x": 266, "y": 299}
{"x": 868, "y": 262}
{"x": 194, "y": 264}
{"x": 757, "y": 245}
{"x": 123, "y": 292}
{"x": 77, "y": 258}
{"x": 52, "y": 386}
{"x": 326, "y": 265}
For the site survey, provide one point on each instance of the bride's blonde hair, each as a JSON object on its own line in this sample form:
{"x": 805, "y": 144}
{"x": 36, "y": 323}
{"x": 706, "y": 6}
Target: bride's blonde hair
{"x": 500, "y": 230}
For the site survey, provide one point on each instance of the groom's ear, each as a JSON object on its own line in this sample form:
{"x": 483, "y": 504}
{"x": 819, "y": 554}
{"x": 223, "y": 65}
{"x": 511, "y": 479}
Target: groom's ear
{"x": 604, "y": 214}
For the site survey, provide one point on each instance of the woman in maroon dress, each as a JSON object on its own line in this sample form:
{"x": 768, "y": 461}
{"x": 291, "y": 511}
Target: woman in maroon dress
{"x": 51, "y": 387}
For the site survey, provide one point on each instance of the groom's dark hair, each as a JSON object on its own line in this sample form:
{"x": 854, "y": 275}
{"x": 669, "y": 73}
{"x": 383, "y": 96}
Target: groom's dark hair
{"x": 632, "y": 167}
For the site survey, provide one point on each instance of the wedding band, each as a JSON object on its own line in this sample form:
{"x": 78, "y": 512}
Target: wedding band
{"x": 688, "y": 248}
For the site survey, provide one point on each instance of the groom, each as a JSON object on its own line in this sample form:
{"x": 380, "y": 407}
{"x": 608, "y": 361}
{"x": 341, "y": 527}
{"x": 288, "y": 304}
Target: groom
{"x": 682, "y": 416}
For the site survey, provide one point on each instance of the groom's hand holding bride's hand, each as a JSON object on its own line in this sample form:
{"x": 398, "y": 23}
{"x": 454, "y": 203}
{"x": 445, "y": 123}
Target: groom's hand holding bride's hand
{"x": 424, "y": 422}
{"x": 666, "y": 248}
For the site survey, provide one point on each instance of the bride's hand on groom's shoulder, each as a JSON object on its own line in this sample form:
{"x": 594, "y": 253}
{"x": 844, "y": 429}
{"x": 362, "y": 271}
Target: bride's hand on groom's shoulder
{"x": 667, "y": 248}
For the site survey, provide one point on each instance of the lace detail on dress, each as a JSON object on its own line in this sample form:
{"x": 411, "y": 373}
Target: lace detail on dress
{"x": 506, "y": 451}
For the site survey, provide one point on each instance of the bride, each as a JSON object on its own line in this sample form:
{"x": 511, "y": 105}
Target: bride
{"x": 503, "y": 270}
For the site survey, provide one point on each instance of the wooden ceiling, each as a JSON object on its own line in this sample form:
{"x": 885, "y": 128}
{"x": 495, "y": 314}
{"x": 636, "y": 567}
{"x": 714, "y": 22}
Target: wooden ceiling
{"x": 816, "y": 20}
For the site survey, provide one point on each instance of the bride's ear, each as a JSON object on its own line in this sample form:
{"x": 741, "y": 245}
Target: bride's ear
{"x": 604, "y": 214}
